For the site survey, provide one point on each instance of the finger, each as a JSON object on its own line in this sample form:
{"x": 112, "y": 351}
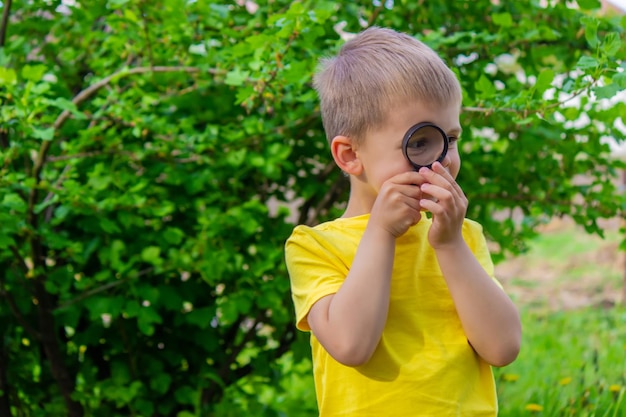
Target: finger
{"x": 439, "y": 194}
{"x": 400, "y": 189}
{"x": 431, "y": 206}
{"x": 441, "y": 170}
{"x": 442, "y": 178}
{"x": 408, "y": 178}
{"x": 399, "y": 195}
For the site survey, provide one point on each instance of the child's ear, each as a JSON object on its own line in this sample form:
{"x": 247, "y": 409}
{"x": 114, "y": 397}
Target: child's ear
{"x": 345, "y": 155}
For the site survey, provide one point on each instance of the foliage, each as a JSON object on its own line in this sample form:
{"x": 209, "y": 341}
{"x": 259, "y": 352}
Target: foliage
{"x": 155, "y": 156}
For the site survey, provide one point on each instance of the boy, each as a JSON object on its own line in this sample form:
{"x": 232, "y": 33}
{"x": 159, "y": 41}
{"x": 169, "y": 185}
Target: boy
{"x": 404, "y": 314}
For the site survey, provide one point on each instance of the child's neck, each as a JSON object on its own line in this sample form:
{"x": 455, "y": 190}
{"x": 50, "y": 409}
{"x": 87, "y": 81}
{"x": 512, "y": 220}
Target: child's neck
{"x": 360, "y": 201}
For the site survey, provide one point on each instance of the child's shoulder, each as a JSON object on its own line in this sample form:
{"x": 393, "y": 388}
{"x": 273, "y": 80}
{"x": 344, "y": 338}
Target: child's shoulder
{"x": 340, "y": 223}
{"x": 331, "y": 230}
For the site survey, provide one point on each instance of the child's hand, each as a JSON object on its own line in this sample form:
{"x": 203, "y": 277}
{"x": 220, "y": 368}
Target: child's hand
{"x": 448, "y": 208}
{"x": 397, "y": 206}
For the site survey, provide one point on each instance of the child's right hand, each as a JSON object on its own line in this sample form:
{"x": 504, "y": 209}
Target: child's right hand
{"x": 397, "y": 206}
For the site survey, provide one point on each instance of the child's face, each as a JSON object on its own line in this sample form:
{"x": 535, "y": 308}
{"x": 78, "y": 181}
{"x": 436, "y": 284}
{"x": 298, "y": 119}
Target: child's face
{"x": 381, "y": 151}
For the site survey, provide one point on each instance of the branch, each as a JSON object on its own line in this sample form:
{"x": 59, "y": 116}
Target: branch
{"x": 102, "y": 288}
{"x": 489, "y": 111}
{"x": 4, "y": 139}
{"x": 262, "y": 84}
{"x": 22, "y": 262}
{"x": 82, "y": 155}
{"x": 525, "y": 112}
{"x": 5, "y": 22}
{"x": 146, "y": 32}
{"x": 89, "y": 293}
{"x": 5, "y": 388}
{"x": 53, "y": 351}
{"x": 375, "y": 14}
{"x": 17, "y": 313}
{"x": 92, "y": 89}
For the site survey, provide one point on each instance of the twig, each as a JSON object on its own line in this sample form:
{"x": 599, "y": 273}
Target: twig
{"x": 525, "y": 112}
{"x": 89, "y": 293}
{"x": 490, "y": 110}
{"x": 375, "y": 14}
{"x": 85, "y": 155}
{"x": 102, "y": 288}
{"x": 146, "y": 33}
{"x": 92, "y": 89}
{"x": 5, "y": 22}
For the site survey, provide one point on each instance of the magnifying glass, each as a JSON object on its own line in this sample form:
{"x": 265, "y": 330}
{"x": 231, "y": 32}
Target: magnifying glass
{"x": 424, "y": 144}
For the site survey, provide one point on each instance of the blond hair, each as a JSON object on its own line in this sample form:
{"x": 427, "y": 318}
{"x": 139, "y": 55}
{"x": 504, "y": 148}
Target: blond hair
{"x": 374, "y": 72}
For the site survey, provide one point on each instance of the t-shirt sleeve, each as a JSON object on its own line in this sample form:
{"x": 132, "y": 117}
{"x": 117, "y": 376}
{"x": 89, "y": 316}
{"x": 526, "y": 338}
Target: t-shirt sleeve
{"x": 314, "y": 271}
{"x": 473, "y": 234}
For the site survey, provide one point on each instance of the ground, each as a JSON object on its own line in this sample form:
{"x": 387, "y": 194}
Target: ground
{"x": 566, "y": 268}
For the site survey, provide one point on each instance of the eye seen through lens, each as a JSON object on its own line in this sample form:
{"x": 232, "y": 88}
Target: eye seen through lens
{"x": 424, "y": 144}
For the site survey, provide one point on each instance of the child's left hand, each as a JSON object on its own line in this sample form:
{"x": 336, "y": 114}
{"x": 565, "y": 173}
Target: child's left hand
{"x": 448, "y": 207}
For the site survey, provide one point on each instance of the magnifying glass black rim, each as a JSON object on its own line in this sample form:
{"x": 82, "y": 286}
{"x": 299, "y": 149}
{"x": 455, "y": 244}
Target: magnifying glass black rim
{"x": 407, "y": 137}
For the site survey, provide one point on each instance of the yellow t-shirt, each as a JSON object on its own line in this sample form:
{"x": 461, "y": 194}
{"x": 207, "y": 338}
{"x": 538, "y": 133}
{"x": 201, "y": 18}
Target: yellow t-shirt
{"x": 423, "y": 365}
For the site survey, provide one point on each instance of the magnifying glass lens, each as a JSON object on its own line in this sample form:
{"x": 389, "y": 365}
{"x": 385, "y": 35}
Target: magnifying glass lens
{"x": 425, "y": 146}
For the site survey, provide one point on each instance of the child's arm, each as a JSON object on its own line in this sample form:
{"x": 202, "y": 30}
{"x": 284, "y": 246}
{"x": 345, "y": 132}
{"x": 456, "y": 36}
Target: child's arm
{"x": 350, "y": 322}
{"x": 489, "y": 318}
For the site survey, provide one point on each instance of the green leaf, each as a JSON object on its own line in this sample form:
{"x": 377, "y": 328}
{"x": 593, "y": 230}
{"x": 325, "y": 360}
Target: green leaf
{"x": 606, "y": 91}
{"x": 132, "y": 308}
{"x": 116, "y": 4}
{"x": 7, "y": 76}
{"x": 65, "y": 104}
{"x": 108, "y": 225}
{"x": 33, "y": 72}
{"x": 161, "y": 383}
{"x": 620, "y": 79}
{"x": 544, "y": 81}
{"x": 14, "y": 202}
{"x": 145, "y": 407}
{"x": 99, "y": 182}
{"x": 186, "y": 395}
{"x": 587, "y": 62}
{"x": 146, "y": 318}
{"x": 589, "y": 4}
{"x": 236, "y": 77}
{"x": 236, "y": 158}
{"x": 591, "y": 30}
{"x": 502, "y": 19}
{"x": 45, "y": 134}
{"x": 611, "y": 44}
{"x": 152, "y": 254}
{"x": 6, "y": 241}
{"x": 223, "y": 10}
{"x": 173, "y": 235}
{"x": 200, "y": 317}
{"x": 485, "y": 87}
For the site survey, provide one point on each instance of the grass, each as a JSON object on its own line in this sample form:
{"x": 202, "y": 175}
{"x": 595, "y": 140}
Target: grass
{"x": 572, "y": 363}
